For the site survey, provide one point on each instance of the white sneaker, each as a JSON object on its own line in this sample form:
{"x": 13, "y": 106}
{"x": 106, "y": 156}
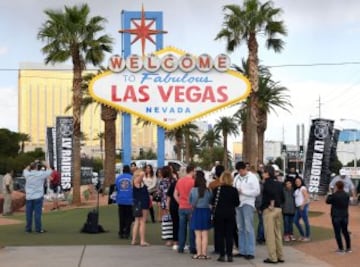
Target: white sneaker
{"x": 186, "y": 247}
{"x": 175, "y": 247}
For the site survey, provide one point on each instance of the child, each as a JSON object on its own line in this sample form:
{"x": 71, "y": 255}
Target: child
{"x": 288, "y": 211}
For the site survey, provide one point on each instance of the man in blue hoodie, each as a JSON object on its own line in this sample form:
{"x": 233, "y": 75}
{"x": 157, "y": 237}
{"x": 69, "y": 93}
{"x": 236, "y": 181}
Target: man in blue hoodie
{"x": 124, "y": 199}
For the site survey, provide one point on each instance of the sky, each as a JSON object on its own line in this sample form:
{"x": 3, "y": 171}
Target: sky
{"x": 320, "y": 63}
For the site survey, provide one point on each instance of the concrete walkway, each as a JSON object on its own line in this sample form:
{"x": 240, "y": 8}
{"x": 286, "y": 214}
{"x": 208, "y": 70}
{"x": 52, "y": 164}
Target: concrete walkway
{"x": 134, "y": 256}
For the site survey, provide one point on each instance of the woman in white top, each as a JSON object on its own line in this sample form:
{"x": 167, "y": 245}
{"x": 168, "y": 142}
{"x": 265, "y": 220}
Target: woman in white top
{"x": 150, "y": 181}
{"x": 302, "y": 201}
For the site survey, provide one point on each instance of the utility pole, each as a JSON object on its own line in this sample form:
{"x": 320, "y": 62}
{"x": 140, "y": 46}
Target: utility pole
{"x": 319, "y": 106}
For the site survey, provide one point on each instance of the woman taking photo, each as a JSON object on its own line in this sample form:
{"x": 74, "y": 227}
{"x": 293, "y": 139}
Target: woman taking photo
{"x": 141, "y": 197}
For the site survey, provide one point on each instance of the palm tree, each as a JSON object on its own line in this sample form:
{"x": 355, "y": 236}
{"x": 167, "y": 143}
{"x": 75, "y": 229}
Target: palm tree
{"x": 108, "y": 115}
{"x": 226, "y": 126}
{"x": 210, "y": 139}
{"x": 181, "y": 134}
{"x": 23, "y": 137}
{"x": 240, "y": 119}
{"x": 190, "y": 133}
{"x": 271, "y": 96}
{"x": 72, "y": 34}
{"x": 244, "y": 24}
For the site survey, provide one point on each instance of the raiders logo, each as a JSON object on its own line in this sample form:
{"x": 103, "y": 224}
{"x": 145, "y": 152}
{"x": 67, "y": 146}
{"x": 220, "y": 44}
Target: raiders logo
{"x": 66, "y": 129}
{"x": 321, "y": 130}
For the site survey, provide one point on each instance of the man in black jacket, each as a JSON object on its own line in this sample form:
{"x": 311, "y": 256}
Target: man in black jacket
{"x": 340, "y": 215}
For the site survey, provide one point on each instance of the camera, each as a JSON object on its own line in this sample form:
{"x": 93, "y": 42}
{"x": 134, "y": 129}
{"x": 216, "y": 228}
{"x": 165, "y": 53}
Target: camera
{"x": 37, "y": 165}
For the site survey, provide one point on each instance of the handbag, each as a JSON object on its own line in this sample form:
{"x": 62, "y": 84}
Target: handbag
{"x": 166, "y": 227}
{"x": 212, "y": 217}
{"x": 136, "y": 209}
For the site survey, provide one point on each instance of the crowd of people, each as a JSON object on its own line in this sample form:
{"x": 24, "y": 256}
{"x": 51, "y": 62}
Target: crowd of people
{"x": 227, "y": 204}
{"x": 188, "y": 206}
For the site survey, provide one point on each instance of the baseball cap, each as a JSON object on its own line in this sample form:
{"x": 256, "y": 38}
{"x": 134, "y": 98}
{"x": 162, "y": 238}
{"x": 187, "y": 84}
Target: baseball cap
{"x": 342, "y": 172}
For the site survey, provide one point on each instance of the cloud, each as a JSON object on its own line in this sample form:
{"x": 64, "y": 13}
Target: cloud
{"x": 9, "y": 108}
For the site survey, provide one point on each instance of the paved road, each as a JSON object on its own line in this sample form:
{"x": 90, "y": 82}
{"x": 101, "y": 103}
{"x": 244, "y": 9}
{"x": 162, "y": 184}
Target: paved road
{"x": 133, "y": 256}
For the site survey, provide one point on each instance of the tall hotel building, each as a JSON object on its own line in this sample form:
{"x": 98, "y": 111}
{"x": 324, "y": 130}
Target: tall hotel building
{"x": 44, "y": 92}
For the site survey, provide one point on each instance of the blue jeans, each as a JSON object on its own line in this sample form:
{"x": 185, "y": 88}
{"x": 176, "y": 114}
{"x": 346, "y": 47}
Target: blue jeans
{"x": 184, "y": 222}
{"x": 34, "y": 206}
{"x": 260, "y": 237}
{"x": 245, "y": 224}
{"x": 288, "y": 224}
{"x": 302, "y": 214}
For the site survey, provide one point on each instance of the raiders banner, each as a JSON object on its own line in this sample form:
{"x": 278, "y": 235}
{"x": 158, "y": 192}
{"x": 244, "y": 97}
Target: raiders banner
{"x": 51, "y": 146}
{"x": 64, "y": 144}
{"x": 318, "y": 153}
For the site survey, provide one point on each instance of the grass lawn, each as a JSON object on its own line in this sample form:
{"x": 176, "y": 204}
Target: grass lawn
{"x": 64, "y": 229}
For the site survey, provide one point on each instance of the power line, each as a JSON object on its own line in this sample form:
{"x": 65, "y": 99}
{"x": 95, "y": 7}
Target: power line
{"x": 316, "y": 64}
{"x": 341, "y": 63}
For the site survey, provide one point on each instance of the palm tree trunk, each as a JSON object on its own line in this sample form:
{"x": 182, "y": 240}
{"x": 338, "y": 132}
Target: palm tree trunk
{"x": 251, "y": 120}
{"x": 251, "y": 155}
{"x": 178, "y": 148}
{"x": 108, "y": 115}
{"x": 261, "y": 134}
{"x": 244, "y": 141}
{"x": 261, "y": 145}
{"x": 77, "y": 97}
{"x": 225, "y": 152}
{"x": 187, "y": 148}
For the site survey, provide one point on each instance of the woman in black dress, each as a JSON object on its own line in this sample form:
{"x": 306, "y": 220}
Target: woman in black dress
{"x": 225, "y": 200}
{"x": 140, "y": 194}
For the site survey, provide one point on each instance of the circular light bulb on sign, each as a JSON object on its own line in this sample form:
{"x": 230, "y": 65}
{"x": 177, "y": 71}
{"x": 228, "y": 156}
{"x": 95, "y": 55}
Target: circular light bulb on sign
{"x": 134, "y": 63}
{"x": 187, "y": 63}
{"x": 152, "y": 63}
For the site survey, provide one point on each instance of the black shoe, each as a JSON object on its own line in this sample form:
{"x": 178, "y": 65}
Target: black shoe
{"x": 28, "y": 231}
{"x": 281, "y": 261}
{"x": 230, "y": 259}
{"x": 41, "y": 231}
{"x": 180, "y": 251}
{"x": 221, "y": 259}
{"x": 270, "y": 261}
{"x": 249, "y": 257}
{"x": 239, "y": 255}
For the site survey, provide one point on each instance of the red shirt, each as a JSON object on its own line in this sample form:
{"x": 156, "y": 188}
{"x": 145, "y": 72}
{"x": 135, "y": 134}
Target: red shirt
{"x": 55, "y": 178}
{"x": 183, "y": 187}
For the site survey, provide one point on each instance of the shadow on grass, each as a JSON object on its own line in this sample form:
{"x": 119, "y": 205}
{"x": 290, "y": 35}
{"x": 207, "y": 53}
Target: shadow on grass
{"x": 64, "y": 229}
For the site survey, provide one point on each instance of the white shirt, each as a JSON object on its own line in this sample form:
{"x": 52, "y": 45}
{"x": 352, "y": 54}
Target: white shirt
{"x": 249, "y": 186}
{"x": 299, "y": 196}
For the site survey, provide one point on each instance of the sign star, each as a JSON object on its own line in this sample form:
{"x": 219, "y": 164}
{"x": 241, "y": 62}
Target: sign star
{"x": 143, "y": 31}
